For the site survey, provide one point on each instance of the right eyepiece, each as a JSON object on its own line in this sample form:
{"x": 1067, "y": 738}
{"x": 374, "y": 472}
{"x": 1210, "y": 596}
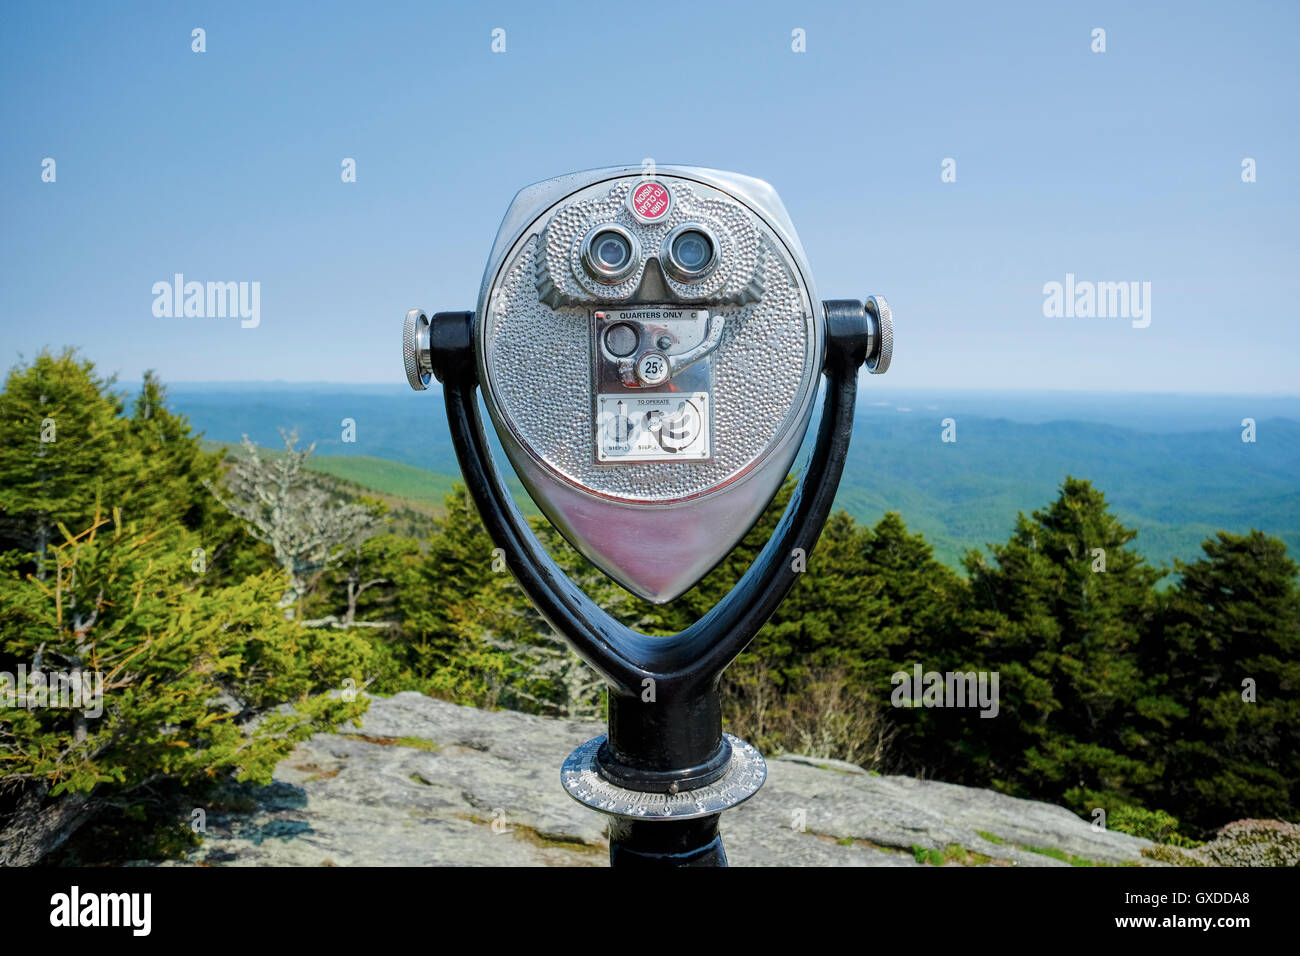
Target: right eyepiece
{"x": 689, "y": 252}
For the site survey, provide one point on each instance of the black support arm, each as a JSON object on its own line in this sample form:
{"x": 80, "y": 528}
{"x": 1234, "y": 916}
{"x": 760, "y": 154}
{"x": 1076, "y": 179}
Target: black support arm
{"x": 690, "y": 661}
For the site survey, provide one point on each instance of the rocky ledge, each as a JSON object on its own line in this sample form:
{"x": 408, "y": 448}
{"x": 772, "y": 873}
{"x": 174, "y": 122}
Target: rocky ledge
{"x": 423, "y": 782}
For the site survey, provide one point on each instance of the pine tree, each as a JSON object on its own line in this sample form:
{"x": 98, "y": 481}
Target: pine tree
{"x": 1060, "y": 614}
{"x": 63, "y": 449}
{"x": 173, "y": 669}
{"x": 67, "y": 444}
{"x": 111, "y": 583}
{"x": 915, "y": 620}
{"x": 1228, "y": 650}
{"x": 459, "y": 560}
{"x": 173, "y": 481}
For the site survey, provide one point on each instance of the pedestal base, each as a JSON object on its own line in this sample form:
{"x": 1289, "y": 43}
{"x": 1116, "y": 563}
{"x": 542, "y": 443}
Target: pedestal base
{"x": 664, "y": 829}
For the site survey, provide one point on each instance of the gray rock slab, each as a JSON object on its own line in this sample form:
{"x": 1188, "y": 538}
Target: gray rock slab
{"x": 425, "y": 783}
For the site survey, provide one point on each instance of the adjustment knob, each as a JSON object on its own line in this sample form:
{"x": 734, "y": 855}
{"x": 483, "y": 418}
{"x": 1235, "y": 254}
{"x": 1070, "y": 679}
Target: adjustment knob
{"x": 415, "y": 350}
{"x": 882, "y": 334}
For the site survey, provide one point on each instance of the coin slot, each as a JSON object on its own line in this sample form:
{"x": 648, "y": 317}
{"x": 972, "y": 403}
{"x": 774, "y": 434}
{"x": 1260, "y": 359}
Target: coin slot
{"x": 621, "y": 339}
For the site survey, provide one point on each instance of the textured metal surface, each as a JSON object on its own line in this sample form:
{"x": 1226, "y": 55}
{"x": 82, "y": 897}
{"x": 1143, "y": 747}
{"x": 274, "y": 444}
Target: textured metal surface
{"x": 561, "y": 280}
{"x": 520, "y": 217}
{"x": 656, "y": 541}
{"x": 538, "y": 359}
{"x": 583, "y": 782}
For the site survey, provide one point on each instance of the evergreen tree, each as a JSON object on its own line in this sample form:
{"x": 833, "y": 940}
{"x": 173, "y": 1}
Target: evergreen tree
{"x": 1059, "y": 614}
{"x": 478, "y": 640}
{"x": 63, "y": 449}
{"x": 461, "y": 611}
{"x": 915, "y": 620}
{"x": 172, "y": 669}
{"x": 173, "y": 483}
{"x": 66, "y": 444}
{"x": 112, "y": 587}
{"x": 1227, "y": 651}
{"x": 820, "y": 625}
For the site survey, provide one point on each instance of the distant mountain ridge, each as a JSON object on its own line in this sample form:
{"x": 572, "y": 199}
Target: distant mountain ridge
{"x": 1185, "y": 476}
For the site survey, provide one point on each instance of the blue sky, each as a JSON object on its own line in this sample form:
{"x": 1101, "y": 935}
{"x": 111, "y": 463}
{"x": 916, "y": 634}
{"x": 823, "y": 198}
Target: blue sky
{"x": 225, "y": 166}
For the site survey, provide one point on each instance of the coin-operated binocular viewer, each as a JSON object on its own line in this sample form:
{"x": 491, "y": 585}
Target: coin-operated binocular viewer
{"x": 650, "y": 348}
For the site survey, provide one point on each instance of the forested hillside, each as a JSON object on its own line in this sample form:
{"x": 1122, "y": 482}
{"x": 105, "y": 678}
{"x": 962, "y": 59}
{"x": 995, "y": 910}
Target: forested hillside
{"x": 1174, "y": 468}
{"x": 209, "y": 587}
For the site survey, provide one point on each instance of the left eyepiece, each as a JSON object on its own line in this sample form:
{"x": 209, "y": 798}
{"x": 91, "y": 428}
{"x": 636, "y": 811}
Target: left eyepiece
{"x": 610, "y": 254}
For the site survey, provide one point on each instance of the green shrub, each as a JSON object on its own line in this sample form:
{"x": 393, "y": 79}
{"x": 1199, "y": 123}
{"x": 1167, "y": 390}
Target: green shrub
{"x": 1254, "y": 843}
{"x": 192, "y": 679}
{"x": 1154, "y": 825}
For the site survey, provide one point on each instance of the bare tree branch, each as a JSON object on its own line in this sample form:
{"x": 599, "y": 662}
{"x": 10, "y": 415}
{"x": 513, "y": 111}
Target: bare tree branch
{"x": 283, "y": 507}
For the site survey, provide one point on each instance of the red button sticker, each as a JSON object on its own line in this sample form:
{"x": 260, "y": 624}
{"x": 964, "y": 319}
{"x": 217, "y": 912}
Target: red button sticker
{"x": 650, "y": 201}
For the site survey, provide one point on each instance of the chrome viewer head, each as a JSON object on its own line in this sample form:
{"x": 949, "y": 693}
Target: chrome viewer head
{"x": 649, "y": 347}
